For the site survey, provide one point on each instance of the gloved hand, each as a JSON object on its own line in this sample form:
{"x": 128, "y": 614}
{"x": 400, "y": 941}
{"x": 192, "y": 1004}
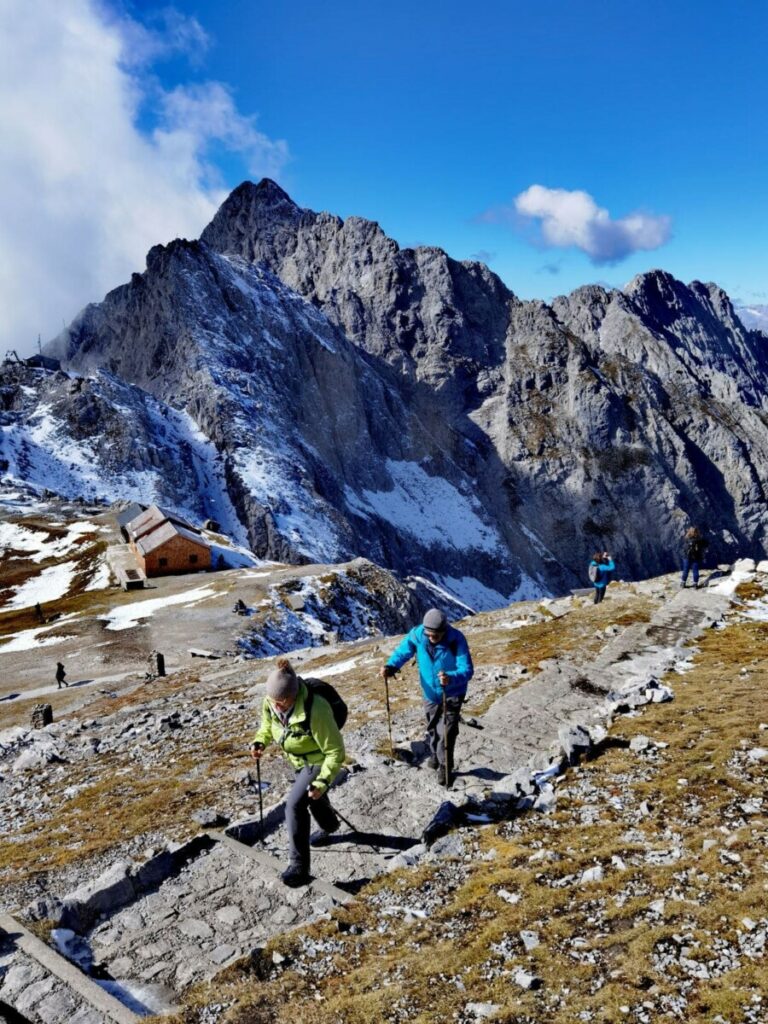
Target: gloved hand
{"x": 387, "y": 672}
{"x": 257, "y": 749}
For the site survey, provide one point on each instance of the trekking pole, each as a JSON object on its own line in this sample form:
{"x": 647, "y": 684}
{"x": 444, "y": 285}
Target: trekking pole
{"x": 389, "y": 718}
{"x": 261, "y": 802}
{"x": 447, "y": 767}
{"x": 352, "y": 828}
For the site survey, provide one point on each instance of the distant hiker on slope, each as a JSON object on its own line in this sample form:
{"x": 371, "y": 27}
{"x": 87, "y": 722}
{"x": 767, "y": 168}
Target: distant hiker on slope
{"x": 61, "y": 675}
{"x": 600, "y": 569}
{"x": 694, "y": 546}
{"x": 445, "y": 668}
{"x": 303, "y": 723}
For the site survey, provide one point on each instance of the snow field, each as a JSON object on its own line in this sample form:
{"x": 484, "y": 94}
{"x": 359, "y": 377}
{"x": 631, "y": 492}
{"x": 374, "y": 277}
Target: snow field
{"x": 129, "y": 615}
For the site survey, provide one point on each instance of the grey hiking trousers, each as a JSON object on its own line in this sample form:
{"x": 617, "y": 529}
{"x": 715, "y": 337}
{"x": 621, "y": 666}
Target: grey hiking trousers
{"x": 436, "y": 739}
{"x": 298, "y": 807}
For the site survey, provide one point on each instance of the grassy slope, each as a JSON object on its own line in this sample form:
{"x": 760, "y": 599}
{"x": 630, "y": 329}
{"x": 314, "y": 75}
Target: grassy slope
{"x": 119, "y": 800}
{"x": 608, "y": 951}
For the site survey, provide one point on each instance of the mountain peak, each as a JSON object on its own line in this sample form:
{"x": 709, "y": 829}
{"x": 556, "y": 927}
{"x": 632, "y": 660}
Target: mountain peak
{"x": 265, "y": 191}
{"x": 655, "y": 282}
{"x": 252, "y": 211}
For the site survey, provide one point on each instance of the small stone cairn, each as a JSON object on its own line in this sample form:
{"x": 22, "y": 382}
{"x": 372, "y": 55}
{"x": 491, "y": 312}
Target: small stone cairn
{"x": 42, "y": 715}
{"x": 156, "y": 665}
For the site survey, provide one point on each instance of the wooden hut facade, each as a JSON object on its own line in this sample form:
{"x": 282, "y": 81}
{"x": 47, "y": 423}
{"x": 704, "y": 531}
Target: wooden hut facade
{"x": 166, "y": 545}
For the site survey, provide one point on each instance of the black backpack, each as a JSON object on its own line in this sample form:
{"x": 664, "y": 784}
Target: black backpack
{"x": 694, "y": 548}
{"x": 319, "y": 688}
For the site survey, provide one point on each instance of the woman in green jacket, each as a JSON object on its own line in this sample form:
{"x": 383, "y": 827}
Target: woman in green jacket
{"x": 316, "y": 751}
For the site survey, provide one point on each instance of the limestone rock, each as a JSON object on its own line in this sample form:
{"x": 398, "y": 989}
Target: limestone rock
{"x": 539, "y": 428}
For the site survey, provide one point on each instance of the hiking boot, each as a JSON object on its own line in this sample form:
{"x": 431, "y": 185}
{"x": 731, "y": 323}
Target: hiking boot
{"x": 295, "y": 876}
{"x": 443, "y": 776}
{"x": 433, "y": 762}
{"x": 322, "y": 837}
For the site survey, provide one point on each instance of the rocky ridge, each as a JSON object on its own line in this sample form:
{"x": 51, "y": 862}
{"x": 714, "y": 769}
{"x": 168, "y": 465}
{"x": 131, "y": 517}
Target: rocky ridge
{"x": 601, "y": 406}
{"x": 349, "y": 397}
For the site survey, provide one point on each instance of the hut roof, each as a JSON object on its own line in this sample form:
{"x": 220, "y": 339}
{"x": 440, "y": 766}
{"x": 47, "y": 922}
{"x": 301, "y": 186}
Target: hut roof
{"x": 152, "y": 518}
{"x": 163, "y": 533}
{"x": 133, "y": 511}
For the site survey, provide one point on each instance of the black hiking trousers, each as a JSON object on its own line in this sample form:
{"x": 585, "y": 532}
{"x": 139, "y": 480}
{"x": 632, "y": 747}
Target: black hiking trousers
{"x": 599, "y": 594}
{"x": 298, "y": 808}
{"x": 436, "y": 733}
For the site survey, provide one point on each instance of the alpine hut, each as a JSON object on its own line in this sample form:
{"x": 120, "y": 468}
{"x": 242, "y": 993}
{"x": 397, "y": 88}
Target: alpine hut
{"x": 164, "y": 544}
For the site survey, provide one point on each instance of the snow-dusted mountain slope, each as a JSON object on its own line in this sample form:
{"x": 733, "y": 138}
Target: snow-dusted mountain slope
{"x": 309, "y": 438}
{"x": 101, "y": 438}
{"x": 598, "y": 415}
{"x": 337, "y": 396}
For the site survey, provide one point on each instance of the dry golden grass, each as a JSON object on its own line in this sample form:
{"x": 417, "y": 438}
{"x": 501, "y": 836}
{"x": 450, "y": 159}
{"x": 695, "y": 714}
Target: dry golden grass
{"x": 162, "y": 797}
{"x": 409, "y": 972}
{"x": 99, "y": 817}
{"x": 87, "y": 554}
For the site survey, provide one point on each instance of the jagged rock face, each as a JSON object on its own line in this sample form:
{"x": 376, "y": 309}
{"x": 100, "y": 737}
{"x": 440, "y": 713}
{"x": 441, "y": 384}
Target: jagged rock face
{"x": 604, "y": 412}
{"x": 102, "y": 438}
{"x": 416, "y": 308}
{"x": 353, "y": 398}
{"x": 320, "y": 453}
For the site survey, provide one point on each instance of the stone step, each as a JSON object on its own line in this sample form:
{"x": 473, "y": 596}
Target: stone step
{"x": 264, "y": 859}
{"x": 220, "y": 906}
{"x": 54, "y": 964}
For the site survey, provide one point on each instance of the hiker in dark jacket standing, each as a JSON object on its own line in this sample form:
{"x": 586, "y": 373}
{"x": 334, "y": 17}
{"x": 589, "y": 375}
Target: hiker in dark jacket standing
{"x": 600, "y": 569}
{"x": 61, "y": 675}
{"x": 445, "y": 665}
{"x": 694, "y": 546}
{"x": 315, "y": 748}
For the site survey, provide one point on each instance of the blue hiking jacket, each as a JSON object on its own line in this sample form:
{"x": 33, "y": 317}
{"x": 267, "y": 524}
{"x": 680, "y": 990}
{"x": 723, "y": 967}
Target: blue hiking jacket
{"x": 605, "y": 568}
{"x": 451, "y": 656}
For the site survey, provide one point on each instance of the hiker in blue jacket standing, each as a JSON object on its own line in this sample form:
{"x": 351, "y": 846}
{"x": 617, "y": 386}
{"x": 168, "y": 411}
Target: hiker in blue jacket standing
{"x": 445, "y": 668}
{"x": 600, "y": 569}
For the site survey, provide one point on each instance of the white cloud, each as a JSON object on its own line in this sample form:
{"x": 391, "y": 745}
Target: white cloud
{"x": 168, "y": 32}
{"x": 84, "y": 190}
{"x": 572, "y": 219}
{"x": 202, "y": 112}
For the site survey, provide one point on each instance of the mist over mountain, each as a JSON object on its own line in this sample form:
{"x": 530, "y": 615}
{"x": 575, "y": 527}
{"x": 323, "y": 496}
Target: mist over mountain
{"x": 328, "y": 394}
{"x": 754, "y": 316}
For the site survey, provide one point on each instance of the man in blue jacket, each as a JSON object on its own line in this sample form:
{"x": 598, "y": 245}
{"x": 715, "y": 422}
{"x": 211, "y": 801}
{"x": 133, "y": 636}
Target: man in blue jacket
{"x": 600, "y": 569}
{"x": 445, "y": 666}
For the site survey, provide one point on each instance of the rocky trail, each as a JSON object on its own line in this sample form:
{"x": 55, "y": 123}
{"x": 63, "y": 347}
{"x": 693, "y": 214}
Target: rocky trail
{"x": 154, "y": 922}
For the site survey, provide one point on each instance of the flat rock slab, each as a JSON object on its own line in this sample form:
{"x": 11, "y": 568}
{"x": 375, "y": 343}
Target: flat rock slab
{"x": 220, "y": 906}
{"x": 45, "y": 986}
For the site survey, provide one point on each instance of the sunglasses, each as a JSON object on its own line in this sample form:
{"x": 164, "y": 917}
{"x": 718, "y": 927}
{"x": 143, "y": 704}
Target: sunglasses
{"x": 284, "y": 704}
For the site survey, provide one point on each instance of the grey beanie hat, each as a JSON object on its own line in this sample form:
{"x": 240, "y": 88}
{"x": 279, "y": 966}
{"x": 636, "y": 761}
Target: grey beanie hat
{"x": 435, "y": 619}
{"x": 282, "y": 683}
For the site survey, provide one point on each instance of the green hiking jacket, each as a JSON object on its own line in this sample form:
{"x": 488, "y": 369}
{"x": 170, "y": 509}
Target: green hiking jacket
{"x": 323, "y": 745}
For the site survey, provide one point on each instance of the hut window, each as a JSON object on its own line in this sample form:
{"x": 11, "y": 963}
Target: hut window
{"x": 163, "y": 562}
{"x": 193, "y": 559}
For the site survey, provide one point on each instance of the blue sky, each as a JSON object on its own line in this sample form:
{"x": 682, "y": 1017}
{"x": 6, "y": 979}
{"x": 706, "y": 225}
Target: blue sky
{"x": 424, "y": 115}
{"x": 563, "y": 142}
